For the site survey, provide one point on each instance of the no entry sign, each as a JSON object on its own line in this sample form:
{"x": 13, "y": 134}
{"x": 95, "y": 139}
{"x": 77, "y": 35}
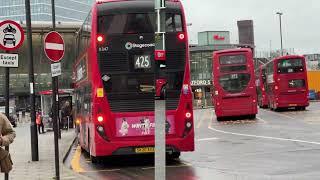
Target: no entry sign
{"x": 11, "y": 35}
{"x": 54, "y": 46}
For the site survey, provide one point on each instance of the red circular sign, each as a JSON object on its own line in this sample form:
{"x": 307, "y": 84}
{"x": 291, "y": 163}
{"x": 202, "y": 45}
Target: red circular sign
{"x": 54, "y": 46}
{"x": 11, "y": 35}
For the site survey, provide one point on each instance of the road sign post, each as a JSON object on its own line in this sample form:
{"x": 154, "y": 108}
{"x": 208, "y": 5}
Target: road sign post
{"x": 160, "y": 102}
{"x": 11, "y": 38}
{"x": 54, "y": 49}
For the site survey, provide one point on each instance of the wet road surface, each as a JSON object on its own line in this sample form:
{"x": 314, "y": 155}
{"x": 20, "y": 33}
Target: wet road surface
{"x": 277, "y": 145}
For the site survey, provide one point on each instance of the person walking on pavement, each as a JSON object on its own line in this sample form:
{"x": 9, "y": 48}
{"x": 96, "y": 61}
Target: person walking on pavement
{"x": 66, "y": 114}
{"x": 39, "y": 122}
{"x": 7, "y": 135}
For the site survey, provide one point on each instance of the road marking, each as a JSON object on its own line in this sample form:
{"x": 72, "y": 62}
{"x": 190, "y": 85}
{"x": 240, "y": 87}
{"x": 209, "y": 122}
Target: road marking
{"x": 75, "y": 162}
{"x": 260, "y": 119}
{"x": 265, "y": 137}
{"x": 279, "y": 114}
{"x": 207, "y": 139}
{"x": 172, "y": 166}
{"x": 70, "y": 177}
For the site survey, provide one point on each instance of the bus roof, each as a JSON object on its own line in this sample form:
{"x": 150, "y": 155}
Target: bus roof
{"x": 289, "y": 57}
{"x": 105, "y": 7}
{"x": 106, "y": 1}
{"x": 238, "y": 50}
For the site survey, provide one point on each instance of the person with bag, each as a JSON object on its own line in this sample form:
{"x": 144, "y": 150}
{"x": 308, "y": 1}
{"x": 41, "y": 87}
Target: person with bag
{"x": 7, "y": 135}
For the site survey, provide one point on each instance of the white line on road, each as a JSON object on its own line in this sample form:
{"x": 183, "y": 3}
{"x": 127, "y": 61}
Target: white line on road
{"x": 54, "y": 46}
{"x": 265, "y": 137}
{"x": 260, "y": 119}
{"x": 279, "y": 114}
{"x": 207, "y": 139}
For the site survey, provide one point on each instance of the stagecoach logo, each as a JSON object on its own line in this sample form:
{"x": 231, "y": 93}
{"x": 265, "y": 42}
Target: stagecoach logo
{"x": 130, "y": 45}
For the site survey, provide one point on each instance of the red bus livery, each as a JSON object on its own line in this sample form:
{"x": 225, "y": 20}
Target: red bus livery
{"x": 287, "y": 84}
{"x": 234, "y": 83}
{"x": 261, "y": 87}
{"x": 115, "y": 83}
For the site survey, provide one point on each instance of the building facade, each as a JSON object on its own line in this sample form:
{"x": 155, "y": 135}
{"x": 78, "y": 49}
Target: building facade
{"x": 66, "y": 10}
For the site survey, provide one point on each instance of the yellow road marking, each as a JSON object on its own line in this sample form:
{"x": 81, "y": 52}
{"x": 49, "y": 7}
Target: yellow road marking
{"x": 75, "y": 162}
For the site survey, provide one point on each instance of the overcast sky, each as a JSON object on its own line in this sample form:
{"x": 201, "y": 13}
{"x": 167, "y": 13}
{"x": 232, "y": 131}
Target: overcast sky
{"x": 301, "y": 21}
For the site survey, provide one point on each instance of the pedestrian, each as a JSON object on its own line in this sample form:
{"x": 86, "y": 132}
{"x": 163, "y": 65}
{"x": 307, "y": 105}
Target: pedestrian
{"x": 39, "y": 122}
{"x": 7, "y": 135}
{"x": 66, "y": 114}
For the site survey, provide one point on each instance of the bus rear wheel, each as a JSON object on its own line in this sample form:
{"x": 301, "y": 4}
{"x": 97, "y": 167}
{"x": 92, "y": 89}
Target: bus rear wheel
{"x": 252, "y": 117}
{"x": 174, "y": 155}
{"x": 219, "y": 119}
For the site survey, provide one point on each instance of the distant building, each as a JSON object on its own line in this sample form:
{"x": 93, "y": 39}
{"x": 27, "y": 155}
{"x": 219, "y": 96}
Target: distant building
{"x": 246, "y": 32}
{"x": 66, "y": 10}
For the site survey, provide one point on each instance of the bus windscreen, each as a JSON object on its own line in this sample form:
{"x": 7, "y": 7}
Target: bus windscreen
{"x": 290, "y": 65}
{"x": 137, "y": 23}
{"x": 233, "y": 59}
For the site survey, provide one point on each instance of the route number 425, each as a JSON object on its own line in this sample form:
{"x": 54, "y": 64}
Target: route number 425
{"x": 142, "y": 62}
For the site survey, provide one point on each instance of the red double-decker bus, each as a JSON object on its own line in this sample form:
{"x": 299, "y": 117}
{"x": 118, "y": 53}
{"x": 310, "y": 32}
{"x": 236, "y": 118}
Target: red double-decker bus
{"x": 287, "y": 84}
{"x": 261, "y": 87}
{"x": 234, "y": 83}
{"x": 115, "y": 82}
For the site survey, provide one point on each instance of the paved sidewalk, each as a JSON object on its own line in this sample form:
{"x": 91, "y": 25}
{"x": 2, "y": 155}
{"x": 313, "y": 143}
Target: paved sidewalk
{"x": 25, "y": 169}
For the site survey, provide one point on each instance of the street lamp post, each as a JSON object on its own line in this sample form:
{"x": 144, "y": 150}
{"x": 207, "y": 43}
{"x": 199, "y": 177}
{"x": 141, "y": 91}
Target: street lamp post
{"x": 280, "y": 14}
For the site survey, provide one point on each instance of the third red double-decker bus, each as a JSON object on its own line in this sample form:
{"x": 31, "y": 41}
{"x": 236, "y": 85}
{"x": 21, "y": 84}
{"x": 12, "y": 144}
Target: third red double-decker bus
{"x": 261, "y": 89}
{"x": 234, "y": 83}
{"x": 115, "y": 82}
{"x": 287, "y": 83}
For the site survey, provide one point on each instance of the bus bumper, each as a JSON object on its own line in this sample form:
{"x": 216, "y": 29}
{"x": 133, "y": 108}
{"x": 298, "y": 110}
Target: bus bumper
{"x": 104, "y": 148}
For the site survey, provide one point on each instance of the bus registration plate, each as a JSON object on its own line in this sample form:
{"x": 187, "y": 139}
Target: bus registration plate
{"x": 144, "y": 150}
{"x": 293, "y": 105}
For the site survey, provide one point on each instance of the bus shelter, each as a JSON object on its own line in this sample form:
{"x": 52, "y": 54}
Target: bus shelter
{"x": 46, "y": 105}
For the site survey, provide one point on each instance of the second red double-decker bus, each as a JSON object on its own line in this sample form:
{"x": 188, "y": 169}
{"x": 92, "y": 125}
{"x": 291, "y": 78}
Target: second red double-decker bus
{"x": 261, "y": 87}
{"x": 287, "y": 84}
{"x": 115, "y": 83}
{"x": 234, "y": 83}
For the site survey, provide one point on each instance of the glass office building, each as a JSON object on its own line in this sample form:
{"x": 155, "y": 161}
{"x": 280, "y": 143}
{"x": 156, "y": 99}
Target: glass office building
{"x": 66, "y": 10}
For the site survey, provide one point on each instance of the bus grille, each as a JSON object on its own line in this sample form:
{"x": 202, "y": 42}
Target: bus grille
{"x": 113, "y": 62}
{"x": 138, "y": 104}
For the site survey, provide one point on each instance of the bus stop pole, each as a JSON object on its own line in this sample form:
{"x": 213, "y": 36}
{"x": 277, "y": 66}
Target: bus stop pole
{"x": 55, "y": 100}
{"x": 160, "y": 103}
{"x": 7, "y": 96}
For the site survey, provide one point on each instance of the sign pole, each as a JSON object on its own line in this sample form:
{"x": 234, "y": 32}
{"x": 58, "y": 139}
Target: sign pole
{"x": 160, "y": 102}
{"x": 55, "y": 100}
{"x": 7, "y": 96}
{"x": 33, "y": 126}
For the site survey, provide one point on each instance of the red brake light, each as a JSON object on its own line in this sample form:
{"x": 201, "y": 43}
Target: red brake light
{"x": 100, "y": 38}
{"x": 188, "y": 115}
{"x": 181, "y": 36}
{"x": 100, "y": 119}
